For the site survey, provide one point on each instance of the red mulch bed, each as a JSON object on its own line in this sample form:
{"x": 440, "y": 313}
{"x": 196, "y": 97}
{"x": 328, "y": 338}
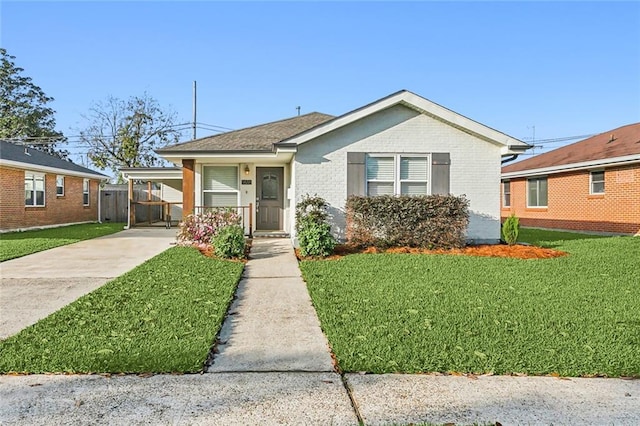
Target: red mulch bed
{"x": 517, "y": 251}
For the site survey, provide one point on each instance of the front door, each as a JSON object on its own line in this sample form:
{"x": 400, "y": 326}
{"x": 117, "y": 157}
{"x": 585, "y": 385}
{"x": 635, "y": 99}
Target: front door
{"x": 269, "y": 198}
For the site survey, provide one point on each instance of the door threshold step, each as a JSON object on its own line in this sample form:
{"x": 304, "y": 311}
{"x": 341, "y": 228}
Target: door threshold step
{"x": 270, "y": 234}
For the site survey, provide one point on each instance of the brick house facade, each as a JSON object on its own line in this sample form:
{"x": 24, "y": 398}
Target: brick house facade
{"x": 591, "y": 185}
{"x": 38, "y": 190}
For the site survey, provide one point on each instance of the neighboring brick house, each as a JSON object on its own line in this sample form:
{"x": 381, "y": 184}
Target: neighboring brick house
{"x": 400, "y": 144}
{"x": 591, "y": 185}
{"x": 39, "y": 190}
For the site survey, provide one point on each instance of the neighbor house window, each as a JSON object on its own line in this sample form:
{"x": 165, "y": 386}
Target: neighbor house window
{"x": 397, "y": 174}
{"x": 33, "y": 189}
{"x": 220, "y": 186}
{"x": 506, "y": 193}
{"x": 597, "y": 182}
{"x": 59, "y": 186}
{"x": 85, "y": 192}
{"x": 537, "y": 192}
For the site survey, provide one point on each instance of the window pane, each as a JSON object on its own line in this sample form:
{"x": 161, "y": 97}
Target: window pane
{"x": 413, "y": 188}
{"x": 380, "y": 168}
{"x": 39, "y": 198}
{"x": 28, "y": 184}
{"x": 413, "y": 168}
{"x": 28, "y": 198}
{"x": 532, "y": 192}
{"x": 39, "y": 183}
{"x": 597, "y": 187}
{"x": 542, "y": 195}
{"x": 220, "y": 178}
{"x": 269, "y": 187}
{"x": 220, "y": 199}
{"x": 379, "y": 188}
{"x": 85, "y": 185}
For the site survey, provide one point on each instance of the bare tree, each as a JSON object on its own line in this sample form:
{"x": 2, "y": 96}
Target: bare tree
{"x": 125, "y": 133}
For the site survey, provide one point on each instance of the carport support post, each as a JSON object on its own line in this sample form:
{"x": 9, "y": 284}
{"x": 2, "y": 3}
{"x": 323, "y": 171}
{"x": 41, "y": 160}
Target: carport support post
{"x": 188, "y": 187}
{"x": 149, "y": 199}
{"x": 132, "y": 208}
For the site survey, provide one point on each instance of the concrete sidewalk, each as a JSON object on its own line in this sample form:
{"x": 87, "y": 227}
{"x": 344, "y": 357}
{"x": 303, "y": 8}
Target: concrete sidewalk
{"x": 274, "y": 367}
{"x": 34, "y": 286}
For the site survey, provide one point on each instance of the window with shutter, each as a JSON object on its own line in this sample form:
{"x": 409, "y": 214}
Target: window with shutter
{"x": 397, "y": 174}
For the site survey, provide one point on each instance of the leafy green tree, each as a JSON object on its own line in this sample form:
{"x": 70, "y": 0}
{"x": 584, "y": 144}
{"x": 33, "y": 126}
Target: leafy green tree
{"x": 125, "y": 133}
{"x": 24, "y": 112}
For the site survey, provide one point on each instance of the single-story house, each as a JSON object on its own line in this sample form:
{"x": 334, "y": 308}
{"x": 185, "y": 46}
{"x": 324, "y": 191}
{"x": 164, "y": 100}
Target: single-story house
{"x": 591, "y": 185}
{"x": 39, "y": 190}
{"x": 400, "y": 144}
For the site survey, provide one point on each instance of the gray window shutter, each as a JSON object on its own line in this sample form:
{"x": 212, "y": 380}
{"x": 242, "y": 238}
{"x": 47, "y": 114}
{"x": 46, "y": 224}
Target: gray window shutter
{"x": 440, "y": 164}
{"x": 356, "y": 173}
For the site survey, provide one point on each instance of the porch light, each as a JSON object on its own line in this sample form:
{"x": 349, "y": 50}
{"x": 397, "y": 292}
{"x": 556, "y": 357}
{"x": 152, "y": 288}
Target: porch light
{"x": 246, "y": 169}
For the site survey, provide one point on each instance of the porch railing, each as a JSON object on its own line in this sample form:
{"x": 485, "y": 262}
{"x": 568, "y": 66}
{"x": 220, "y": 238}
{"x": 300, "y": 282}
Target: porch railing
{"x": 245, "y": 212}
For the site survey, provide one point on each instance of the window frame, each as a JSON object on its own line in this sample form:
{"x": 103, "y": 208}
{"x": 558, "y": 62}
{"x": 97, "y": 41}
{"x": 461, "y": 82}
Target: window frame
{"x": 216, "y": 191}
{"x": 397, "y": 175}
{"x": 36, "y": 176}
{"x": 59, "y": 186}
{"x": 86, "y": 192}
{"x": 505, "y": 184}
{"x": 537, "y": 179}
{"x": 591, "y": 182}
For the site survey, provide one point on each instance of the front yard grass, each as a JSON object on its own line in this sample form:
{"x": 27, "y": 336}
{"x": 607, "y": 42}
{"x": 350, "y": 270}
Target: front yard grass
{"x": 18, "y": 244}
{"x": 160, "y": 317}
{"x": 577, "y": 315}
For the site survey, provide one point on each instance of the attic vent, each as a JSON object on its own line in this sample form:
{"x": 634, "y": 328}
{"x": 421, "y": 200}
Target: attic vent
{"x": 612, "y": 138}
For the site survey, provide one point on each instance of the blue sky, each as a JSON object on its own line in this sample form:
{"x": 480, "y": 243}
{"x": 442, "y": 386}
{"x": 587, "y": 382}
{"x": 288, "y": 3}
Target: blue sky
{"x": 566, "y": 68}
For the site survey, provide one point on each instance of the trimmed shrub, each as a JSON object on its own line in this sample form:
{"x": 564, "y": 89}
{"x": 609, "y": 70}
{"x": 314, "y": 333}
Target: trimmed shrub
{"x": 316, "y": 240}
{"x": 201, "y": 228}
{"x": 434, "y": 221}
{"x": 510, "y": 229}
{"x": 313, "y": 230}
{"x": 229, "y": 242}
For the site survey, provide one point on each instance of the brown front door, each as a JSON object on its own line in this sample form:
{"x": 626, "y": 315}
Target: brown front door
{"x": 269, "y": 198}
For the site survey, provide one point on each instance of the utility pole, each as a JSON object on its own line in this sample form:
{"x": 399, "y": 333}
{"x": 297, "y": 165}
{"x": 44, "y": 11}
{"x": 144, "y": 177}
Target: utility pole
{"x": 194, "y": 109}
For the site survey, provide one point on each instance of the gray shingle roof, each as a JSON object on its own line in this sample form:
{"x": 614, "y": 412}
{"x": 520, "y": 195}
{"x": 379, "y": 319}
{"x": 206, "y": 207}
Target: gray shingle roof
{"x": 13, "y": 152}
{"x": 256, "y": 138}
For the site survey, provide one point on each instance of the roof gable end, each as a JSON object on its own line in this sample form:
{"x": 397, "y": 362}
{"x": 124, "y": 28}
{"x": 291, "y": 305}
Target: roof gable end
{"x": 423, "y": 106}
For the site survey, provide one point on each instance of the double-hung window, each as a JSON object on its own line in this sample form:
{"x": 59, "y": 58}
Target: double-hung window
{"x": 85, "y": 192}
{"x": 597, "y": 182}
{"x": 220, "y": 186}
{"x": 506, "y": 193}
{"x": 60, "y": 186}
{"x": 397, "y": 174}
{"x": 537, "y": 192}
{"x": 34, "y": 189}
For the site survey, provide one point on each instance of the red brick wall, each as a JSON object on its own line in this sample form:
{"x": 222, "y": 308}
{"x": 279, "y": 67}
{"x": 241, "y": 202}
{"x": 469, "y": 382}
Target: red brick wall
{"x": 570, "y": 206}
{"x": 57, "y": 210}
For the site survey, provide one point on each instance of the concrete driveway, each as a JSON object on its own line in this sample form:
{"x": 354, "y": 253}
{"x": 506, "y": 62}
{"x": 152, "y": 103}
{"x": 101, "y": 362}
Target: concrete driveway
{"x": 34, "y": 286}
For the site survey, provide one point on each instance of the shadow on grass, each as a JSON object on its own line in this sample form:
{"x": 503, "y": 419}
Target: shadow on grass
{"x": 552, "y": 239}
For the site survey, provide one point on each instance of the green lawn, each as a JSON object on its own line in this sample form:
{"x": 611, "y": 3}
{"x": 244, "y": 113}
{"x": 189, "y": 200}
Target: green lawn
{"x": 162, "y": 316}
{"x": 575, "y": 315}
{"x": 18, "y": 244}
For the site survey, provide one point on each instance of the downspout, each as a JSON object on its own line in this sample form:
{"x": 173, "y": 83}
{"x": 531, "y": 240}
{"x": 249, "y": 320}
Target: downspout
{"x": 509, "y": 159}
{"x": 128, "y": 202}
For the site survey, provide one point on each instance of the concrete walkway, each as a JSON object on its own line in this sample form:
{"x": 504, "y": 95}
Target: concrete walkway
{"x": 34, "y": 286}
{"x": 272, "y": 325}
{"x": 273, "y": 367}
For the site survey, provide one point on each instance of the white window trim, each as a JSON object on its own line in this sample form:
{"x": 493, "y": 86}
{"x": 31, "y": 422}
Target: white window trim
{"x": 58, "y": 186}
{"x": 238, "y": 177}
{"x": 591, "y": 192}
{"x": 44, "y": 191}
{"x": 397, "y": 181}
{"x": 504, "y": 199}
{"x": 537, "y": 179}
{"x": 88, "y": 192}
